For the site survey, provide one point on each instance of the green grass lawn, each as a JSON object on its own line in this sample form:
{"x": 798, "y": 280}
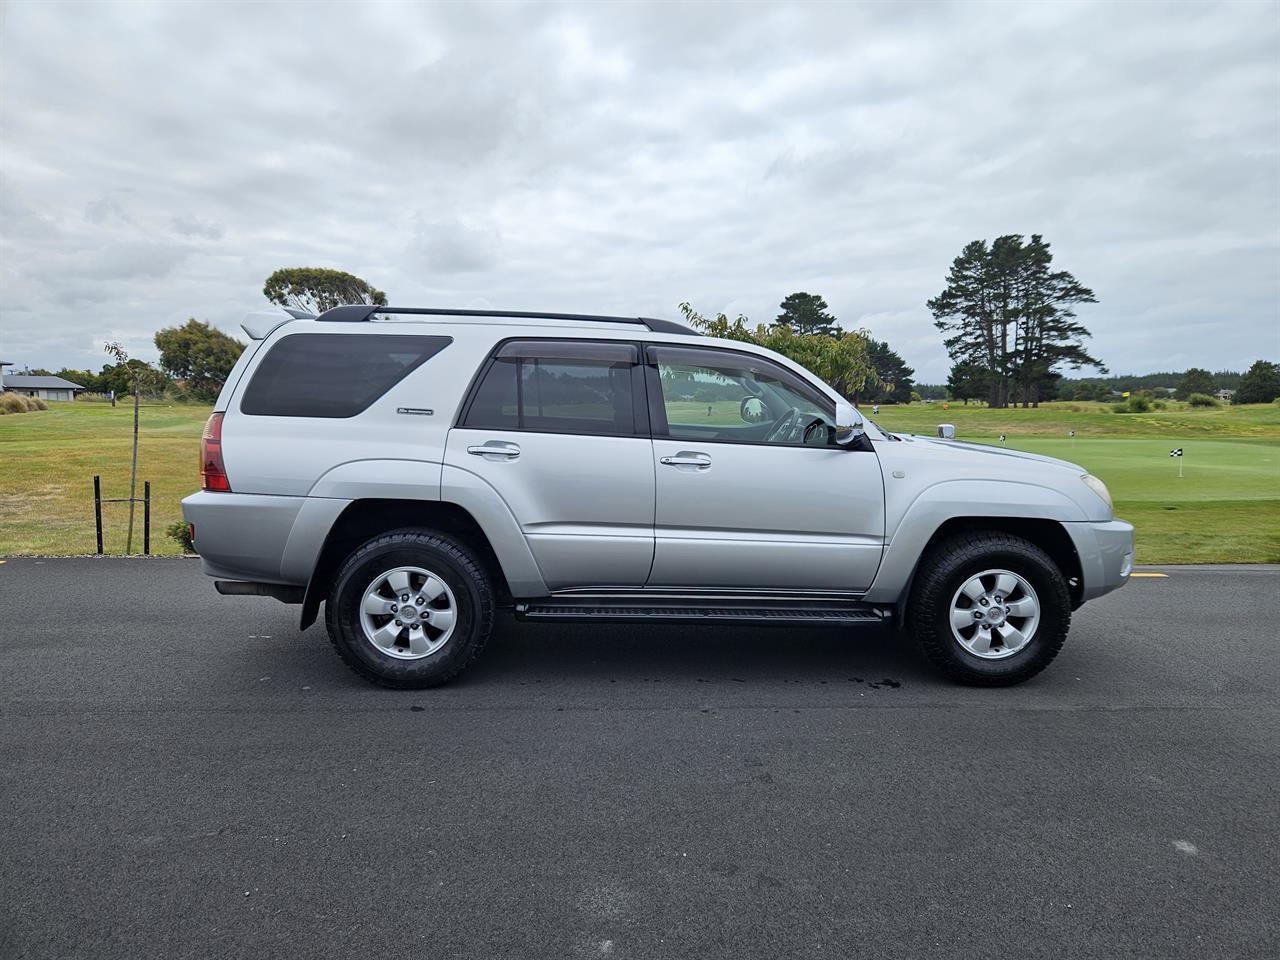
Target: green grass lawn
{"x": 47, "y": 463}
{"x": 1225, "y": 509}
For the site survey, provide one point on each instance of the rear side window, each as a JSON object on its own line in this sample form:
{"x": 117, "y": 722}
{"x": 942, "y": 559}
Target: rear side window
{"x": 333, "y": 374}
{"x": 560, "y": 386}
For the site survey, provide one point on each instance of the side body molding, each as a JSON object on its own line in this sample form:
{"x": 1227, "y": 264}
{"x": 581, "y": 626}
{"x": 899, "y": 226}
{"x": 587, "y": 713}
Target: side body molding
{"x": 910, "y": 525}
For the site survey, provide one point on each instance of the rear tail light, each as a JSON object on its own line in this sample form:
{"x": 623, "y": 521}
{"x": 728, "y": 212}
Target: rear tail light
{"x": 213, "y": 473}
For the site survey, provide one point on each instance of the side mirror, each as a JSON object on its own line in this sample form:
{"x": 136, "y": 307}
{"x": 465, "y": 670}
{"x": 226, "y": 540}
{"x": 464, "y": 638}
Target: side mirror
{"x": 752, "y": 409}
{"x": 848, "y": 423}
{"x": 947, "y": 431}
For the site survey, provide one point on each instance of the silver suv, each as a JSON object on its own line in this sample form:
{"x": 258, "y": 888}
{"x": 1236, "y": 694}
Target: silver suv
{"x": 415, "y": 469}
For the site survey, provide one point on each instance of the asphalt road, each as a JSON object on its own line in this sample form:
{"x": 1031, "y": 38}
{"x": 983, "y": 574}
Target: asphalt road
{"x": 183, "y": 774}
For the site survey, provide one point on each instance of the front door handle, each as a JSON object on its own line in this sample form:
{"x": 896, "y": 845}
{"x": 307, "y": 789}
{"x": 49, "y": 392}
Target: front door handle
{"x": 495, "y": 450}
{"x": 688, "y": 458}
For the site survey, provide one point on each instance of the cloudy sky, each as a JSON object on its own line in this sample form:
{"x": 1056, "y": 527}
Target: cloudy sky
{"x": 158, "y": 161}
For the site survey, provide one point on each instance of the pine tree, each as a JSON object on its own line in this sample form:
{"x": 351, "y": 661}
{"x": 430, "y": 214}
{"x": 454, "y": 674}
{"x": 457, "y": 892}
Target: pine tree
{"x": 895, "y": 377}
{"x": 1260, "y": 384}
{"x": 1195, "y": 380}
{"x": 806, "y": 314}
{"x": 1008, "y": 313}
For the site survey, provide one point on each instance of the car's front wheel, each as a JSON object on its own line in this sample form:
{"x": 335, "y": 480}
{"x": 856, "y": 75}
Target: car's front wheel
{"x": 989, "y": 608}
{"x": 410, "y": 609}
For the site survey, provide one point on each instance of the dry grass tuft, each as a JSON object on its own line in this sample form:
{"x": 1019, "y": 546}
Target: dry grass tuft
{"x": 13, "y": 403}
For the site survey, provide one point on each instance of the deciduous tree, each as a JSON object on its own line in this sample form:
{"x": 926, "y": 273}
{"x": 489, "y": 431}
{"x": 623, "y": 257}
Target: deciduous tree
{"x": 85, "y": 378}
{"x": 842, "y": 361}
{"x": 316, "y": 289}
{"x": 142, "y": 377}
{"x": 122, "y": 377}
{"x": 198, "y": 354}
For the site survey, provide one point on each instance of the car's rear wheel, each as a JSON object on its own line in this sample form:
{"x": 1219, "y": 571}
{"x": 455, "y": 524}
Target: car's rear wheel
{"x": 410, "y": 609}
{"x": 989, "y": 608}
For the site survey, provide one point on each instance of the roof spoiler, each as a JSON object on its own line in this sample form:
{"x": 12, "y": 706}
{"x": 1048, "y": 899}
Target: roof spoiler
{"x": 259, "y": 324}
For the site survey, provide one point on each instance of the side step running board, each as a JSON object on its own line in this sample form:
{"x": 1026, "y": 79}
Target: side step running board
{"x": 698, "y": 611}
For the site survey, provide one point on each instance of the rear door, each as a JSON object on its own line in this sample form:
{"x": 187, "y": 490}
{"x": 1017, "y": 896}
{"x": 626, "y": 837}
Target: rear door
{"x": 752, "y": 492}
{"x": 559, "y": 429}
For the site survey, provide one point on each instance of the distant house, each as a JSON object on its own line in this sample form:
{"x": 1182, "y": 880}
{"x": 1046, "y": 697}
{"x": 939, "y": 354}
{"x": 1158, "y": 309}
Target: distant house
{"x": 46, "y": 388}
{"x": 3, "y": 364}
{"x": 1226, "y": 395}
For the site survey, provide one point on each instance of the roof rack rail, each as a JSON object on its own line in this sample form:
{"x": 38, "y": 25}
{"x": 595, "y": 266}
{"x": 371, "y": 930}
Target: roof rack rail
{"x": 359, "y": 312}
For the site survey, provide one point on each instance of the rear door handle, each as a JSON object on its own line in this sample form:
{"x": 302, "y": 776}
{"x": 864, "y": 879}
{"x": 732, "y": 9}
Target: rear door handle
{"x": 687, "y": 458}
{"x": 495, "y": 450}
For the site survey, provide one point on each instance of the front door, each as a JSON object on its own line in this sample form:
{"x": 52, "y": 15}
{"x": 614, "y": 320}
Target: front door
{"x": 751, "y": 490}
{"x": 559, "y": 429}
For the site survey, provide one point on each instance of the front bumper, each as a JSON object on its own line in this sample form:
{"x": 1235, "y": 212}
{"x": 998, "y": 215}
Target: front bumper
{"x": 1105, "y": 549}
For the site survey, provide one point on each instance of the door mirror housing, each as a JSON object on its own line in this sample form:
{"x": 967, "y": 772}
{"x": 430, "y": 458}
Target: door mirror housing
{"x": 849, "y": 424}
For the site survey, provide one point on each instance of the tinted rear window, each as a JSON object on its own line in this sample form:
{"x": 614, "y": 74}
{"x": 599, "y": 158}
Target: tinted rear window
{"x": 333, "y": 374}
{"x": 559, "y": 387}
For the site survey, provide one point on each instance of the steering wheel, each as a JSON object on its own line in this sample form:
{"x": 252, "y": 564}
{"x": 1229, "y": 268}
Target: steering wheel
{"x": 782, "y": 427}
{"x": 816, "y": 433}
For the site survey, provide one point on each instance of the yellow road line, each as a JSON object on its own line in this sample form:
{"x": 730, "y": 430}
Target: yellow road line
{"x": 1165, "y": 575}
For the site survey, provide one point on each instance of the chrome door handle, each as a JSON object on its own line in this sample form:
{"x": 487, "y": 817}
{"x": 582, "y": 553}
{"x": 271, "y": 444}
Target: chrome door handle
{"x": 495, "y": 450}
{"x": 686, "y": 459}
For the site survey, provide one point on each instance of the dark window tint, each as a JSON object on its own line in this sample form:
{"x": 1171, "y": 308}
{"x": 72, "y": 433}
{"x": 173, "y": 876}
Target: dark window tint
{"x": 333, "y": 374}
{"x": 558, "y": 387}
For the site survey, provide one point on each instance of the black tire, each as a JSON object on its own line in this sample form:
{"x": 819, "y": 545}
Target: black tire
{"x": 450, "y": 561}
{"x": 946, "y": 568}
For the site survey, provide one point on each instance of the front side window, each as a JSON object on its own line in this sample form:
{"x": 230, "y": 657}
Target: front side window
{"x": 722, "y": 395}
{"x": 333, "y": 375}
{"x": 559, "y": 386}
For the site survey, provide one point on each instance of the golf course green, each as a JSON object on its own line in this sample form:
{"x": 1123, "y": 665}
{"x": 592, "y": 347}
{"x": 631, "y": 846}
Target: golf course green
{"x": 1225, "y": 508}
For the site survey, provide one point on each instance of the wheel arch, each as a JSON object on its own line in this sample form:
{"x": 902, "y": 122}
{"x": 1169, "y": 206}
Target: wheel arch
{"x": 1049, "y": 535}
{"x": 367, "y": 518}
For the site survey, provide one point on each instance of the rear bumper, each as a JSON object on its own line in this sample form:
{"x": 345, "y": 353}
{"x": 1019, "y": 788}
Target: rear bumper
{"x": 1105, "y": 549}
{"x": 242, "y": 536}
{"x": 250, "y": 536}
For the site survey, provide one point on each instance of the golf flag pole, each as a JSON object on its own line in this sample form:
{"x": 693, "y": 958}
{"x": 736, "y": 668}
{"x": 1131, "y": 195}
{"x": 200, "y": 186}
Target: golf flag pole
{"x": 1177, "y": 452}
